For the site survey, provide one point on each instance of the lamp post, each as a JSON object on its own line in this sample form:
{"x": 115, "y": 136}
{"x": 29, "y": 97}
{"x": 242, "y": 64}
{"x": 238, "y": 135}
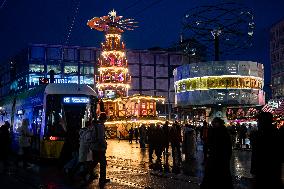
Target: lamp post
{"x": 216, "y": 33}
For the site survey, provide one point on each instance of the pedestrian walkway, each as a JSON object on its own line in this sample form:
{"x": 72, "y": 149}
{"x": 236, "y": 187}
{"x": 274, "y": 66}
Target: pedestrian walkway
{"x": 131, "y": 153}
{"x": 129, "y": 167}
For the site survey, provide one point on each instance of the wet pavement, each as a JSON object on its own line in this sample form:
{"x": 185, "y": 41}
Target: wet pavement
{"x": 128, "y": 167}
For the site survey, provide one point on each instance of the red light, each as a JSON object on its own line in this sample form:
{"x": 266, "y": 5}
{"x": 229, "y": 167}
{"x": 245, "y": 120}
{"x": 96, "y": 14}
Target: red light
{"x": 43, "y": 80}
{"x": 53, "y": 138}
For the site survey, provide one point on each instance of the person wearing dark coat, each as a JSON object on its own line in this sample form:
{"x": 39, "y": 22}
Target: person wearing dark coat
{"x": 136, "y": 134}
{"x": 266, "y": 154}
{"x": 131, "y": 133}
{"x": 159, "y": 142}
{"x": 5, "y": 145}
{"x": 166, "y": 136}
{"x": 217, "y": 168}
{"x": 204, "y": 138}
{"x": 142, "y": 133}
{"x": 151, "y": 141}
{"x": 175, "y": 139}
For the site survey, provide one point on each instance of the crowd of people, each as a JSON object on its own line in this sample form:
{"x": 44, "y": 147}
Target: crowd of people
{"x": 218, "y": 141}
{"x": 86, "y": 147}
{"x": 241, "y": 134}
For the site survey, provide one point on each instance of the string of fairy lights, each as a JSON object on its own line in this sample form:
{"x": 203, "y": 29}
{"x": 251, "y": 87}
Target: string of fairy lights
{"x": 77, "y": 5}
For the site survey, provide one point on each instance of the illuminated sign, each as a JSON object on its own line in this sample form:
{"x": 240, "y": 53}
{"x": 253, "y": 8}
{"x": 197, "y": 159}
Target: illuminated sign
{"x": 76, "y": 100}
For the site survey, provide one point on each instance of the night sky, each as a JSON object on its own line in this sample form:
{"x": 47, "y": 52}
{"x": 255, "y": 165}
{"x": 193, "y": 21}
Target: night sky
{"x": 48, "y": 21}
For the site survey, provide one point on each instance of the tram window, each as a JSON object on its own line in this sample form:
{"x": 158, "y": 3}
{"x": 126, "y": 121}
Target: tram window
{"x": 54, "y": 117}
{"x": 62, "y": 118}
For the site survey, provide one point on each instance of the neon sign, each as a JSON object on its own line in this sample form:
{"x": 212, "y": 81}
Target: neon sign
{"x": 76, "y": 100}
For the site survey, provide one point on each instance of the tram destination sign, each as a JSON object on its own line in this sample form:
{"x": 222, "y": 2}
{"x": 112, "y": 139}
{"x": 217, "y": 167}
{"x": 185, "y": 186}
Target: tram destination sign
{"x": 76, "y": 100}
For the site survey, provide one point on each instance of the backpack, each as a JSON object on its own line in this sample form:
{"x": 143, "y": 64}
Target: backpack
{"x": 87, "y": 135}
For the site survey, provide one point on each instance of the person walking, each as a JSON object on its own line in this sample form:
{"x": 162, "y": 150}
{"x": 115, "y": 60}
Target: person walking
{"x": 142, "y": 132}
{"x": 24, "y": 142}
{"x": 175, "y": 139}
{"x": 267, "y": 154}
{"x": 189, "y": 143}
{"x": 136, "y": 134}
{"x": 217, "y": 172}
{"x": 159, "y": 143}
{"x": 120, "y": 136}
{"x": 151, "y": 141}
{"x": 5, "y": 145}
{"x": 204, "y": 138}
{"x": 99, "y": 150}
{"x": 87, "y": 136}
{"x": 186, "y": 142}
{"x": 243, "y": 134}
{"x": 130, "y": 134}
{"x": 166, "y": 136}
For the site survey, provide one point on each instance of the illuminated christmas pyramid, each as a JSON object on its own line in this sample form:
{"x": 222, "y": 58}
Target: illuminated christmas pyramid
{"x": 113, "y": 81}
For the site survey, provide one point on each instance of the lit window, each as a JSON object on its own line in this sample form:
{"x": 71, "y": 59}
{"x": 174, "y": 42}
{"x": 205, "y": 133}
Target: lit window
{"x": 35, "y": 68}
{"x": 70, "y": 69}
{"x": 87, "y": 70}
{"x": 56, "y": 68}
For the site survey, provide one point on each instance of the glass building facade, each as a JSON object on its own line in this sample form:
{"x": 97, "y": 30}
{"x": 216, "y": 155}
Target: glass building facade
{"x": 277, "y": 59}
{"x": 151, "y": 70}
{"x": 71, "y": 64}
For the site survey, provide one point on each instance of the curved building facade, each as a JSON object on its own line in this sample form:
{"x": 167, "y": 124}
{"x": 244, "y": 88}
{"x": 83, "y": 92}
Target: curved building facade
{"x": 226, "y": 83}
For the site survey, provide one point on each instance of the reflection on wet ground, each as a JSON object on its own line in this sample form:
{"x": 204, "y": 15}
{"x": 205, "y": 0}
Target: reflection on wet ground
{"x": 129, "y": 167}
{"x": 135, "y": 159}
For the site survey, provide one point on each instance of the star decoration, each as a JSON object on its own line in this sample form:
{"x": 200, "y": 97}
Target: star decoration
{"x": 112, "y": 13}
